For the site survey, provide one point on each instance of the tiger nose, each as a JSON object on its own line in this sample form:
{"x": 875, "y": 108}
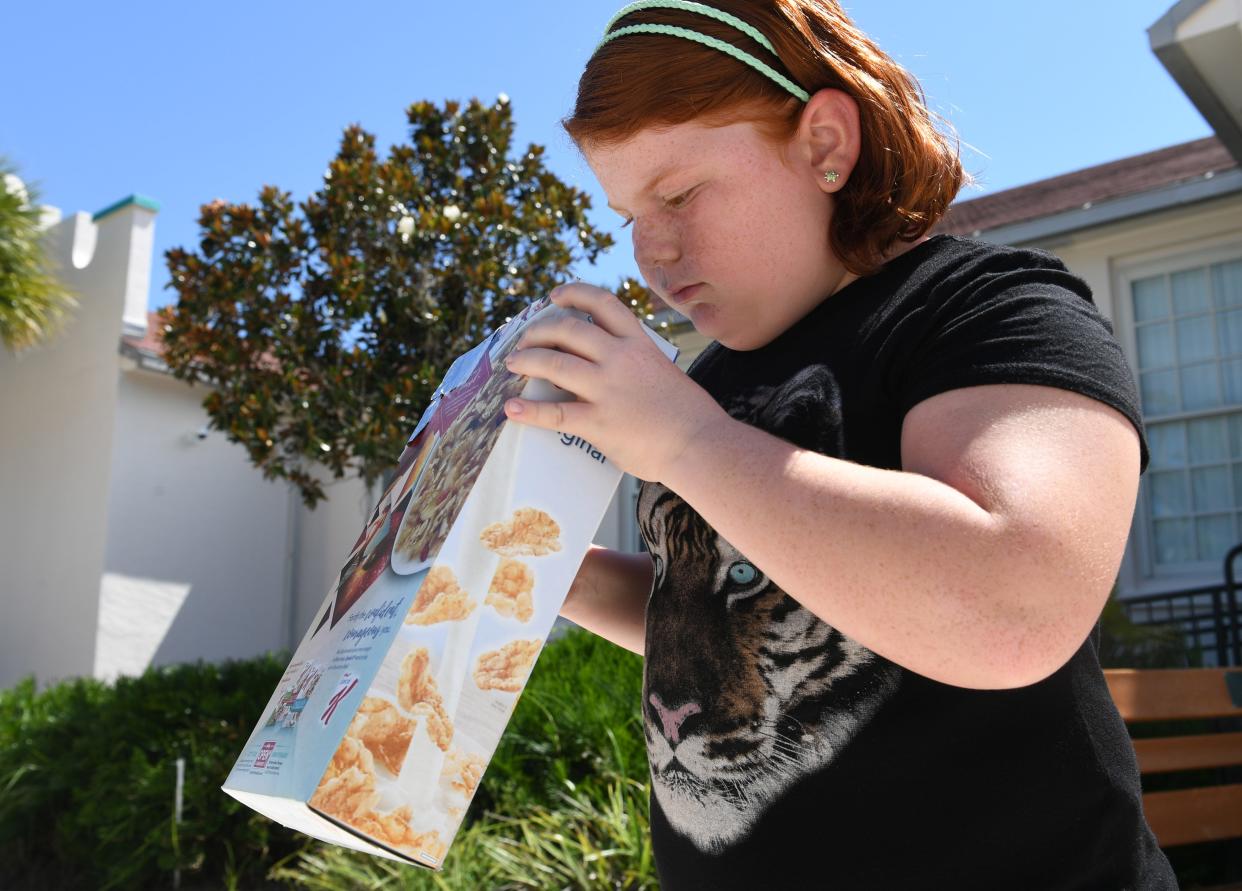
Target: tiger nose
{"x": 672, "y": 719}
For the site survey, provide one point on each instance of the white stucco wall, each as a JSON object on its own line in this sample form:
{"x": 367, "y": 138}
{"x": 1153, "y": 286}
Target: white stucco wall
{"x": 58, "y": 403}
{"x": 196, "y": 559}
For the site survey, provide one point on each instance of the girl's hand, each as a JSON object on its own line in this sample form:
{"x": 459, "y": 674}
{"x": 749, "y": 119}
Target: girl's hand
{"x": 634, "y": 405}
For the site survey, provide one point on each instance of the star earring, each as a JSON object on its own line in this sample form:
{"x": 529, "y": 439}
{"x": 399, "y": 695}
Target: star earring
{"x": 831, "y": 176}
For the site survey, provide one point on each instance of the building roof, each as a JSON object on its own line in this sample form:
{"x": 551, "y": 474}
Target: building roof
{"x": 147, "y": 349}
{"x": 1083, "y": 189}
{"x": 1199, "y": 42}
{"x": 152, "y": 341}
{"x": 141, "y": 200}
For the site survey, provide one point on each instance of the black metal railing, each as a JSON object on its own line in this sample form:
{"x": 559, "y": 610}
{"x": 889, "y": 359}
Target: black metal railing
{"x": 1209, "y": 617}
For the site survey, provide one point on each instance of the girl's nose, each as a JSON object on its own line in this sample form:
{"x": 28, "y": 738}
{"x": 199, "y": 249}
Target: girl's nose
{"x": 655, "y": 245}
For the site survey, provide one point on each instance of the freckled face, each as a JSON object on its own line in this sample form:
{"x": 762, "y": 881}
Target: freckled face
{"x": 716, "y": 207}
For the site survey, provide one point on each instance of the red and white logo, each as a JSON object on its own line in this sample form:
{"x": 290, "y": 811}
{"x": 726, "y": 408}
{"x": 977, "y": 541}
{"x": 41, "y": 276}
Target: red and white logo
{"x": 265, "y": 752}
{"x": 343, "y": 687}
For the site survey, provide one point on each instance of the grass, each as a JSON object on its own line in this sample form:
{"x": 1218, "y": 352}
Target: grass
{"x": 563, "y": 803}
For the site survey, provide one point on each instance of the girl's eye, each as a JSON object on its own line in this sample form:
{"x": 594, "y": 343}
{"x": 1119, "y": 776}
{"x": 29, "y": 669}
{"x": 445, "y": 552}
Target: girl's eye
{"x": 679, "y": 200}
{"x": 676, "y": 202}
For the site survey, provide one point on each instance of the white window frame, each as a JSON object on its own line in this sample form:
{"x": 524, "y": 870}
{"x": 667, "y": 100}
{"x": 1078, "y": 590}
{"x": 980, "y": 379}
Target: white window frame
{"x": 1222, "y": 248}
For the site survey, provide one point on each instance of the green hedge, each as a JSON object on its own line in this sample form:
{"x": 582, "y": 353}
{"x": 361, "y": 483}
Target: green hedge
{"x": 87, "y": 770}
{"x": 87, "y": 773}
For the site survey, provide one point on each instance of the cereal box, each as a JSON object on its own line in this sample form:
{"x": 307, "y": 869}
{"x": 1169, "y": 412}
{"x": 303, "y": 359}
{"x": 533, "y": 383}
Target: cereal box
{"x": 382, "y": 726}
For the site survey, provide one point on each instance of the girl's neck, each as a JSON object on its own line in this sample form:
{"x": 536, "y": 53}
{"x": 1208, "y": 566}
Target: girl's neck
{"x": 895, "y": 251}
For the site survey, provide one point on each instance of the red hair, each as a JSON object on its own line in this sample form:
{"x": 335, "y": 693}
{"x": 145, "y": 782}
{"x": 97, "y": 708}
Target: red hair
{"x": 908, "y": 171}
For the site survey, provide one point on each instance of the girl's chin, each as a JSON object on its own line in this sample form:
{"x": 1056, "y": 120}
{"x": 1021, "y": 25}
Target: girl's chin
{"x": 739, "y": 340}
{"x": 705, "y": 319}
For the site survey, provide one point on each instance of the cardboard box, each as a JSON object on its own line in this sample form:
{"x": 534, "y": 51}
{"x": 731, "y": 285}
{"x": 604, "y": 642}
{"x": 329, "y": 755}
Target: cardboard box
{"x": 381, "y": 728}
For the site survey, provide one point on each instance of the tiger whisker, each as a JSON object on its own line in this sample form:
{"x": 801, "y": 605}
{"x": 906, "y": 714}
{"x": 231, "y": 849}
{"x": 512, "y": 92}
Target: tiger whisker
{"x": 784, "y": 742}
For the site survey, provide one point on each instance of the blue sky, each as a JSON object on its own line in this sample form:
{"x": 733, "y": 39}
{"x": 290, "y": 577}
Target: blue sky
{"x": 190, "y": 102}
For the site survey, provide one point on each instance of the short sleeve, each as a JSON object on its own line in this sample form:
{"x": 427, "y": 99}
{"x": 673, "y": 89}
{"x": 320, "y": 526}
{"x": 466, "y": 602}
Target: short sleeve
{"x": 1017, "y": 317}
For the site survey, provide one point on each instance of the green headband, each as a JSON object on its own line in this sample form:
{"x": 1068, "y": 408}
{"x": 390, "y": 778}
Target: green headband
{"x": 706, "y": 40}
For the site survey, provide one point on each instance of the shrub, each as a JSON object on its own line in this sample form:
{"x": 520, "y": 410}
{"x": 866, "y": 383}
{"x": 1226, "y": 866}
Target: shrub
{"x": 33, "y": 302}
{"x": 88, "y": 776}
{"x": 1124, "y": 644}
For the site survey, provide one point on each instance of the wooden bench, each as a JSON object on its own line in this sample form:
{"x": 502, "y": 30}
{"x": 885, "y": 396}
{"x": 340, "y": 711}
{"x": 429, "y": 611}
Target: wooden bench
{"x": 1205, "y": 813}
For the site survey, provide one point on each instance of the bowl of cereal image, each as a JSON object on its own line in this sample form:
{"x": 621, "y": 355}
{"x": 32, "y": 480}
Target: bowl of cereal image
{"x": 404, "y": 558}
{"x": 450, "y": 470}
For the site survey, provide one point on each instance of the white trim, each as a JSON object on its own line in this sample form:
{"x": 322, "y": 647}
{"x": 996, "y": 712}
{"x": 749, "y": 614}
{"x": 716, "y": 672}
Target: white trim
{"x": 1139, "y": 572}
{"x": 1177, "y": 256}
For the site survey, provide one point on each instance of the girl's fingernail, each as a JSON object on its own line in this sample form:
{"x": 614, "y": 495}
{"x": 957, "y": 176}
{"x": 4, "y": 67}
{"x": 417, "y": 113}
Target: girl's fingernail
{"x": 514, "y": 407}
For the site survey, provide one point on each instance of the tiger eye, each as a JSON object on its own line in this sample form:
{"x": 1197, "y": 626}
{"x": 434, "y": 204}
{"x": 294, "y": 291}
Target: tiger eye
{"x": 742, "y": 573}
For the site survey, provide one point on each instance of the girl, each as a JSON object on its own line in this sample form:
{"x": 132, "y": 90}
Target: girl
{"x": 886, "y": 505}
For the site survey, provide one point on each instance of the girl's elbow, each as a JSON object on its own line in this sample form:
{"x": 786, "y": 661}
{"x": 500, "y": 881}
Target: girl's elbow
{"x": 1035, "y": 650}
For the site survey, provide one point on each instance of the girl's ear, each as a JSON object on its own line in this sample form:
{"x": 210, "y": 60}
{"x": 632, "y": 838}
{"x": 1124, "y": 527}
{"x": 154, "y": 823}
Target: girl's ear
{"x": 829, "y": 137}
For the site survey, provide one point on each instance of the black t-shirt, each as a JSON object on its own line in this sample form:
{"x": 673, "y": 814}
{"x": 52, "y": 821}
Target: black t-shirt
{"x": 783, "y": 754}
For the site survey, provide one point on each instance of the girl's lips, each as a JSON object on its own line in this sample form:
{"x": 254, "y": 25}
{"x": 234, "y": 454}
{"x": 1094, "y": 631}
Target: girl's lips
{"x": 684, "y": 294}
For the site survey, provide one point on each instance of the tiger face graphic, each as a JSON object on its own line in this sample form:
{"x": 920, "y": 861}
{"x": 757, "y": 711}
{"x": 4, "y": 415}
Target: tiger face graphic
{"x": 745, "y": 691}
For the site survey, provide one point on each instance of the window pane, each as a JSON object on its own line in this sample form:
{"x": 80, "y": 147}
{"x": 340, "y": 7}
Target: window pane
{"x": 1167, "y": 444}
{"x": 1215, "y": 535}
{"x": 1159, "y": 390}
{"x": 1200, "y": 386}
{"x": 1174, "y": 541}
{"x": 1190, "y": 291}
{"x": 1212, "y": 489}
{"x": 1209, "y": 440}
{"x": 1155, "y": 346}
{"x": 1229, "y": 331}
{"x": 1150, "y": 299}
{"x": 1168, "y": 493}
{"x": 1235, "y": 436}
{"x": 1226, "y": 284}
{"x": 1195, "y": 340}
{"x": 1188, "y": 349}
{"x": 1231, "y": 371}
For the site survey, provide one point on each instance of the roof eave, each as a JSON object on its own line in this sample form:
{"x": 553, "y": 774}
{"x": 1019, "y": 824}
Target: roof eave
{"x": 1173, "y": 55}
{"x": 143, "y": 358}
{"x": 1206, "y": 187}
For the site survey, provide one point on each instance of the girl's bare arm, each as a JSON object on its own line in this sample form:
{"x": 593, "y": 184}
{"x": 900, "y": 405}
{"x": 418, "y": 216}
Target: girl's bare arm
{"x": 609, "y": 596}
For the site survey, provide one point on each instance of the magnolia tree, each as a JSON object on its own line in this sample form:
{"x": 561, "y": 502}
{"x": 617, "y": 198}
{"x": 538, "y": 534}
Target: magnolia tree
{"x": 323, "y": 327}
